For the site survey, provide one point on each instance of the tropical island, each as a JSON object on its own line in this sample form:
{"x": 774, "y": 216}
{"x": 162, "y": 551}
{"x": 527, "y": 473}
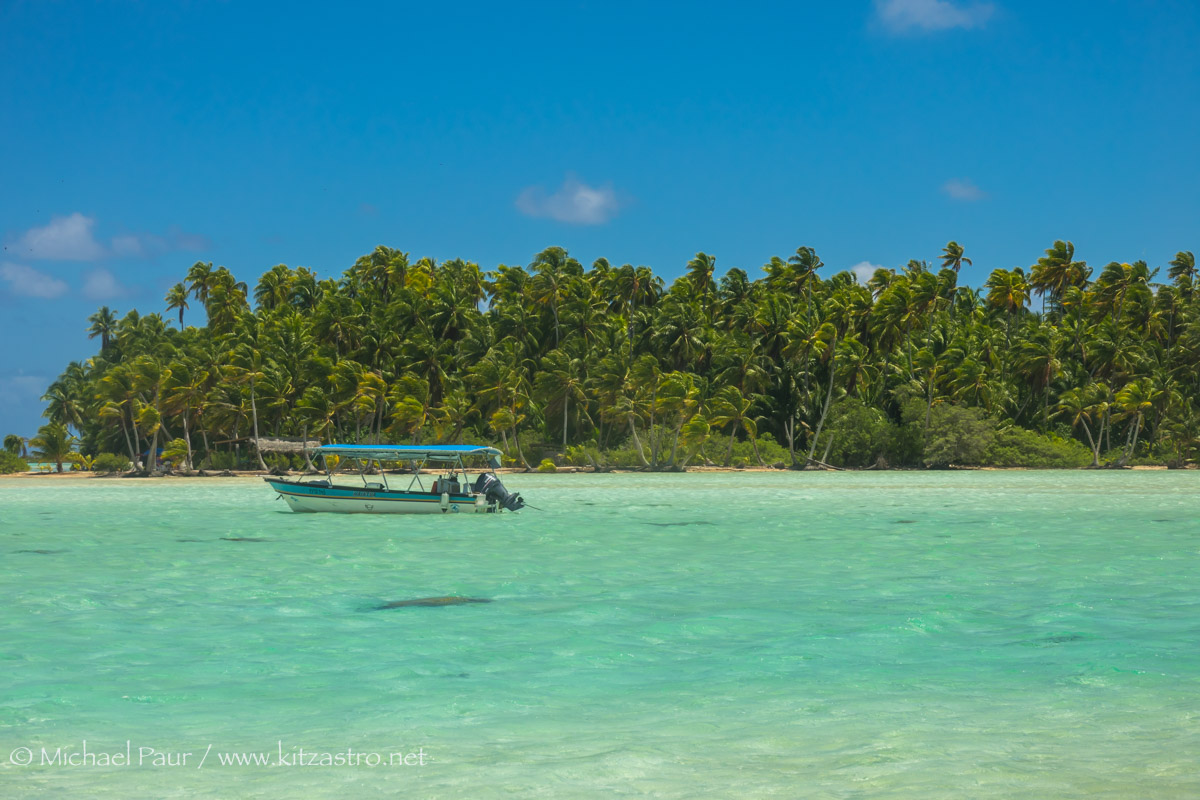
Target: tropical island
{"x": 1054, "y": 365}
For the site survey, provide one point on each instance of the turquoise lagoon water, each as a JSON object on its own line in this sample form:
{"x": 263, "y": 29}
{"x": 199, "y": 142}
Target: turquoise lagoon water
{"x": 890, "y": 635}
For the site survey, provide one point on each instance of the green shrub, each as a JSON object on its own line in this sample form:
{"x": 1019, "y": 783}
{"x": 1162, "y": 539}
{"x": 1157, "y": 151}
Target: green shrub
{"x": 623, "y": 456}
{"x": 1017, "y": 447}
{"x": 578, "y": 454}
{"x": 855, "y": 434}
{"x": 110, "y": 462}
{"x": 958, "y": 436}
{"x": 11, "y": 463}
{"x": 547, "y": 465}
{"x": 716, "y": 448}
{"x": 770, "y": 450}
{"x": 223, "y": 459}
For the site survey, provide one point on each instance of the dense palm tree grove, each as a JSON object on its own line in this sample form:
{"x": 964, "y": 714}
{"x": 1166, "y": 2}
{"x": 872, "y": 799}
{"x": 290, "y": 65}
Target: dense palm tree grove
{"x": 559, "y": 358}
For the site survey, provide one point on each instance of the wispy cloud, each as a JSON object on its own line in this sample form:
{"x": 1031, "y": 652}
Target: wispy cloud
{"x": 963, "y": 189}
{"x": 72, "y": 238}
{"x": 64, "y": 239}
{"x": 182, "y": 240}
{"x": 150, "y": 245}
{"x": 863, "y": 270}
{"x": 574, "y": 202}
{"x": 28, "y": 282}
{"x": 926, "y": 16}
{"x": 100, "y": 284}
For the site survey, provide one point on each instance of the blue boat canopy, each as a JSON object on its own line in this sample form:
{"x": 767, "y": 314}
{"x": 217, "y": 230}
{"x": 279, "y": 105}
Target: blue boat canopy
{"x": 404, "y": 452}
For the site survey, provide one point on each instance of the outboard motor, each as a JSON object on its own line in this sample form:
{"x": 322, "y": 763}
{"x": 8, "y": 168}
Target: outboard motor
{"x": 490, "y": 487}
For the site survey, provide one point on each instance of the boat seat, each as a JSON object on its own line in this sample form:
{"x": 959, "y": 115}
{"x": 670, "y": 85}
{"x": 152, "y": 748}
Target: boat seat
{"x": 374, "y": 485}
{"x": 317, "y": 483}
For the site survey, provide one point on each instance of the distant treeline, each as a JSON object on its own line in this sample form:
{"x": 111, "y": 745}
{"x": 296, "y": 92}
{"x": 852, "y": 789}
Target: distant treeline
{"x": 1082, "y": 365}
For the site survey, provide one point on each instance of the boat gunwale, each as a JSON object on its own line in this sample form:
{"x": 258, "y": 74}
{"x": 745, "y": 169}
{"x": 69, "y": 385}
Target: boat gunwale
{"x": 360, "y": 492}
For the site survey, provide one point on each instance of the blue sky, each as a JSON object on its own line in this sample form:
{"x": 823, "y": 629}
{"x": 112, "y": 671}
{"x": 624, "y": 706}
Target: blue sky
{"x": 137, "y": 138}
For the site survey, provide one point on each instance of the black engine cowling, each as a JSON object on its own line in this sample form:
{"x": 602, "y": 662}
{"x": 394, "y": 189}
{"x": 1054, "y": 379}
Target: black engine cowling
{"x": 491, "y": 488}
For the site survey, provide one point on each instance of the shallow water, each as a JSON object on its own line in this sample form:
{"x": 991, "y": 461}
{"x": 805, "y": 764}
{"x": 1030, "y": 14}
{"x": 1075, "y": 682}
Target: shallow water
{"x": 883, "y": 635}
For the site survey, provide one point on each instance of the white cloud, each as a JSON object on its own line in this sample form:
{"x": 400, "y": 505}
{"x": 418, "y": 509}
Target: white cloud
{"x": 909, "y": 16}
{"x": 149, "y": 245}
{"x": 71, "y": 238}
{"x": 100, "y": 284}
{"x": 180, "y": 240}
{"x": 64, "y": 239}
{"x": 863, "y": 270}
{"x": 28, "y": 282}
{"x": 963, "y": 189}
{"x": 575, "y": 202}
{"x": 128, "y": 246}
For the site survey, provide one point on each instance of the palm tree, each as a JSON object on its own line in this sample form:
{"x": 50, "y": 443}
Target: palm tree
{"x": 1183, "y": 267}
{"x": 1008, "y": 291}
{"x": 15, "y": 444}
{"x": 200, "y": 280}
{"x": 53, "y": 443}
{"x": 148, "y": 375}
{"x": 1058, "y": 270}
{"x": 953, "y": 258}
{"x": 554, "y": 270}
{"x": 700, "y": 275}
{"x": 246, "y": 365}
{"x": 186, "y": 391}
{"x": 1040, "y": 359}
{"x": 730, "y": 407}
{"x": 678, "y": 401}
{"x": 274, "y": 287}
{"x": 1078, "y": 406}
{"x": 561, "y": 380}
{"x": 176, "y": 298}
{"x": 104, "y": 325}
{"x": 1135, "y": 400}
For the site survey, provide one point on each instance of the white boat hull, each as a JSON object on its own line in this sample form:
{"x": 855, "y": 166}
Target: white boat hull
{"x": 302, "y": 497}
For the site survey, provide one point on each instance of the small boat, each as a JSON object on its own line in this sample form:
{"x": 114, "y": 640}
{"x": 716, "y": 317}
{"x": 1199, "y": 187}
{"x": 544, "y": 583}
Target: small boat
{"x": 451, "y": 493}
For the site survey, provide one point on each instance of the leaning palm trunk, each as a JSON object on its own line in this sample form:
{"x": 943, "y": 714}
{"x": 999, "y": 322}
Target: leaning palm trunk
{"x": 637, "y": 444}
{"x": 254, "y": 413}
{"x": 566, "y": 406}
{"x": 1133, "y": 437}
{"x": 307, "y": 459}
{"x": 828, "y": 447}
{"x": 753, "y": 437}
{"x": 825, "y": 409}
{"x": 675, "y": 443}
{"x": 1094, "y": 445}
{"x": 207, "y": 450}
{"x": 689, "y": 454}
{"x": 152, "y": 454}
{"x": 520, "y": 452}
{"x": 137, "y": 441}
{"x": 128, "y": 442}
{"x": 653, "y": 439}
{"x": 187, "y": 438}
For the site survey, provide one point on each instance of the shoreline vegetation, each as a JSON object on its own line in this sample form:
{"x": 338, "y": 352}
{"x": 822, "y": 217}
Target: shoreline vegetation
{"x": 71, "y": 475}
{"x": 607, "y": 368}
